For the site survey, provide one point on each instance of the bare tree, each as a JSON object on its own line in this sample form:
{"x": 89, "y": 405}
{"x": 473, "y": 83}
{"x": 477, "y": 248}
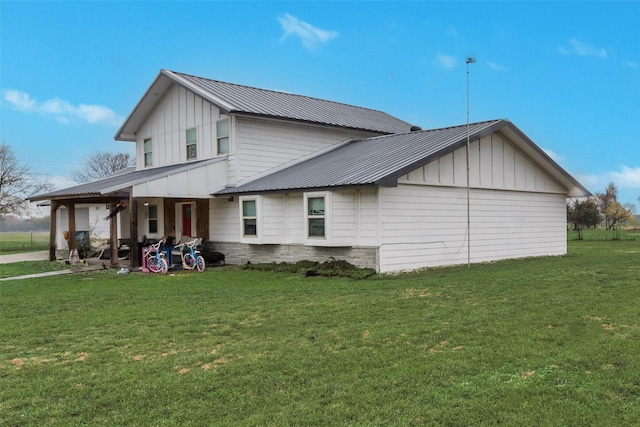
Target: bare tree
{"x": 16, "y": 184}
{"x": 607, "y": 199}
{"x": 100, "y": 164}
{"x": 613, "y": 212}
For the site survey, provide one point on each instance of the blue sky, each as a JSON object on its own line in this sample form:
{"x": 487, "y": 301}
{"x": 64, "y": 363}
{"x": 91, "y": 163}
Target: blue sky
{"x": 566, "y": 73}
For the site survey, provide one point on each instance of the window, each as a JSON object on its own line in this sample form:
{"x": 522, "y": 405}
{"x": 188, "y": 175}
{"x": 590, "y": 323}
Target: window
{"x": 222, "y": 128}
{"x": 249, "y": 218}
{"x": 192, "y": 146}
{"x": 148, "y": 152}
{"x": 315, "y": 216}
{"x": 153, "y": 219}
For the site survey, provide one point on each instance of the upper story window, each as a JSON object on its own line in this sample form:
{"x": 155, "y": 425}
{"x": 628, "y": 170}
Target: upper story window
{"x": 192, "y": 144}
{"x": 316, "y": 216}
{"x": 148, "y": 152}
{"x": 249, "y": 218}
{"x": 222, "y": 128}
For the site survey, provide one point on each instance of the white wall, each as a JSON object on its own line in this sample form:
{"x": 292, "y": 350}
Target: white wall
{"x": 427, "y": 226}
{"x": 263, "y": 144}
{"x": 495, "y": 163}
{"x": 178, "y": 111}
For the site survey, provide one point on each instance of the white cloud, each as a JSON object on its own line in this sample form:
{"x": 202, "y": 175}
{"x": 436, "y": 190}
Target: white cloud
{"x": 446, "y": 61}
{"x": 62, "y": 110}
{"x": 309, "y": 35}
{"x": 58, "y": 182}
{"x": 576, "y": 47}
{"x": 497, "y": 67}
{"x": 556, "y": 158}
{"x": 627, "y": 177}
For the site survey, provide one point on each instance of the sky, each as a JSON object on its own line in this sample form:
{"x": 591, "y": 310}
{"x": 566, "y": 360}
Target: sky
{"x": 566, "y": 73}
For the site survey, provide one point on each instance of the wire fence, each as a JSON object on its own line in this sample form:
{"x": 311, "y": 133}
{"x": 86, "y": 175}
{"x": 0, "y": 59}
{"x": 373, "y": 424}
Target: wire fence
{"x": 24, "y": 241}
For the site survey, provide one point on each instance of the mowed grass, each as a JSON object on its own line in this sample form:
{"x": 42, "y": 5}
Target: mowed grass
{"x": 16, "y": 242}
{"x": 546, "y": 341}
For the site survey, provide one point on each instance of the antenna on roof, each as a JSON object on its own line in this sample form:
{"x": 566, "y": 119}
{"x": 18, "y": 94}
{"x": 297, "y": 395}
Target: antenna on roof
{"x": 471, "y": 59}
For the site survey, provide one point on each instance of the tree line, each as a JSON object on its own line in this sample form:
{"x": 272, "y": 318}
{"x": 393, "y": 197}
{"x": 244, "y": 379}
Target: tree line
{"x": 17, "y": 184}
{"x": 600, "y": 209}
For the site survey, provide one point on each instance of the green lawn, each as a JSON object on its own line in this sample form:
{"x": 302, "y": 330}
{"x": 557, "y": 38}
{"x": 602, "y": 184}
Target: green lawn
{"x": 547, "y": 341}
{"x": 16, "y": 242}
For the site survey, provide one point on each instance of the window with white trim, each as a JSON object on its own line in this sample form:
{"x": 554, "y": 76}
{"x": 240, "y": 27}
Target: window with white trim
{"x": 148, "y": 152}
{"x": 222, "y": 135}
{"x": 192, "y": 144}
{"x": 316, "y": 216}
{"x": 249, "y": 218}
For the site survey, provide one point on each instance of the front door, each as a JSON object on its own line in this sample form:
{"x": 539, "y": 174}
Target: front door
{"x": 186, "y": 219}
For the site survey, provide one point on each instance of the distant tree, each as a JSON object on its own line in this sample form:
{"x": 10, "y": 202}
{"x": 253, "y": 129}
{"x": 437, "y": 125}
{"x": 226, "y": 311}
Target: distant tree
{"x": 583, "y": 213}
{"x": 612, "y": 211}
{"x": 100, "y": 164}
{"x": 16, "y": 184}
{"x": 605, "y": 200}
{"x": 617, "y": 214}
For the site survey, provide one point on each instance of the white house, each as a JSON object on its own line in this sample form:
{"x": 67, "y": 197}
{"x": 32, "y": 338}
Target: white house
{"x": 268, "y": 176}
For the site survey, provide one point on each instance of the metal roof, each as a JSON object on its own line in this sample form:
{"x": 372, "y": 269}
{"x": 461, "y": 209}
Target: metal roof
{"x": 245, "y": 100}
{"x": 380, "y": 161}
{"x": 120, "y": 181}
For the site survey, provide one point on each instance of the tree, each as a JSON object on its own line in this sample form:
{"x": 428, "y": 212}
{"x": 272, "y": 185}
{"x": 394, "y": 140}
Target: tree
{"x": 101, "y": 164}
{"x": 606, "y": 199}
{"x": 617, "y": 213}
{"x": 613, "y": 212}
{"x": 16, "y": 184}
{"x": 582, "y": 213}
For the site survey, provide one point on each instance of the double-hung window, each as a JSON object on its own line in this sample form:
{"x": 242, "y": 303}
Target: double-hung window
{"x": 222, "y": 134}
{"x": 153, "y": 219}
{"x": 316, "y": 216}
{"x": 249, "y": 218}
{"x": 192, "y": 144}
{"x": 148, "y": 152}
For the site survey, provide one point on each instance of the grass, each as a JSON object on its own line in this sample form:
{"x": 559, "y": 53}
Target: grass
{"x": 545, "y": 341}
{"x": 16, "y": 242}
{"x": 29, "y": 267}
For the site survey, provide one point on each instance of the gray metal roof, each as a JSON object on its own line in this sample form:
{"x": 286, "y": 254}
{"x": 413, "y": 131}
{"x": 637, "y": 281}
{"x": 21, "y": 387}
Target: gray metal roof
{"x": 245, "y": 100}
{"x": 380, "y": 161}
{"x": 121, "y": 180}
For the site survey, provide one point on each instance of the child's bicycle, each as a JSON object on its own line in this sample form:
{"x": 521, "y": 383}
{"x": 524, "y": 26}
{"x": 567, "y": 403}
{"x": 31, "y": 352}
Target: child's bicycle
{"x": 156, "y": 260}
{"x": 191, "y": 257}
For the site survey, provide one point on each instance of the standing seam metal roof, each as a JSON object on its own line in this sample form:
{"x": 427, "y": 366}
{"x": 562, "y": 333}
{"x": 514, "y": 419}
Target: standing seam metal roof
{"x": 368, "y": 162}
{"x": 269, "y": 103}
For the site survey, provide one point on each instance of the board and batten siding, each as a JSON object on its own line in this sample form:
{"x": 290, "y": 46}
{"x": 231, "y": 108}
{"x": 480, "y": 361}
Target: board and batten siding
{"x": 177, "y": 111}
{"x": 261, "y": 144}
{"x": 517, "y": 210}
{"x": 494, "y": 162}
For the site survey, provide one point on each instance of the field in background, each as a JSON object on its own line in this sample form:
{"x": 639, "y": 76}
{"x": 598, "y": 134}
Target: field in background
{"x": 543, "y": 341}
{"x": 16, "y": 242}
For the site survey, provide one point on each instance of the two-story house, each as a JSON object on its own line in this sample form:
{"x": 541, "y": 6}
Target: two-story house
{"x": 268, "y": 176}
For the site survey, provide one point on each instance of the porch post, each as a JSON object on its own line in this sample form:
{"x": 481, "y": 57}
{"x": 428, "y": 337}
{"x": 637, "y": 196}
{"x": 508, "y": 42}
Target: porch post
{"x": 113, "y": 236}
{"x": 71, "y": 207}
{"x": 133, "y": 230}
{"x": 53, "y": 230}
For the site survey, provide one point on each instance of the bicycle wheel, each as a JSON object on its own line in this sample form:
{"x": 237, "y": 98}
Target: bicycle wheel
{"x": 200, "y": 264}
{"x": 189, "y": 261}
{"x": 155, "y": 264}
{"x": 164, "y": 266}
